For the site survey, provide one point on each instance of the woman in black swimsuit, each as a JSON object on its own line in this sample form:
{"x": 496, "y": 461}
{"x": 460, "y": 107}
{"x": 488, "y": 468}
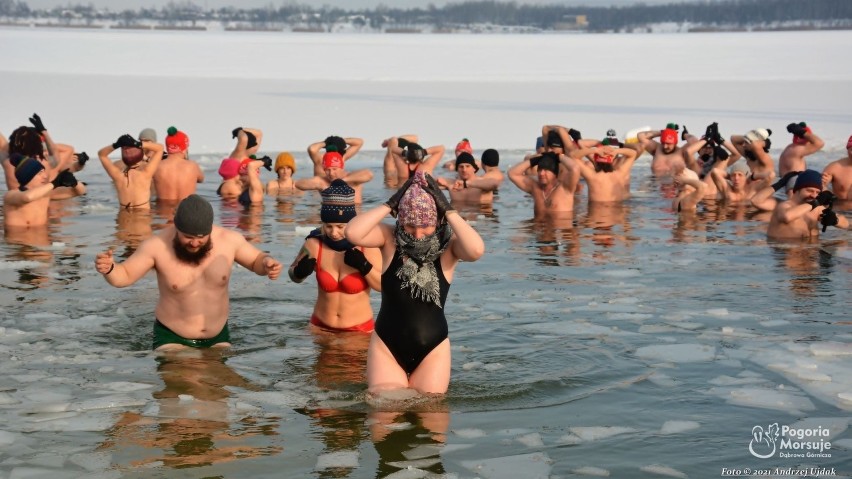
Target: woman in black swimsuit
{"x": 409, "y": 347}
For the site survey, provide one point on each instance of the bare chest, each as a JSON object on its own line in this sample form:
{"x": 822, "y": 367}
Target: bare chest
{"x": 212, "y": 274}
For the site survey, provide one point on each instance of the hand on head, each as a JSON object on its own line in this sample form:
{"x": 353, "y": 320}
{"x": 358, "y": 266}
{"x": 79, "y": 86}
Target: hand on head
{"x": 797, "y": 129}
{"x": 64, "y": 178}
{"x": 82, "y": 158}
{"x": 126, "y": 140}
{"x": 393, "y": 201}
{"x": 37, "y": 123}
{"x": 441, "y": 203}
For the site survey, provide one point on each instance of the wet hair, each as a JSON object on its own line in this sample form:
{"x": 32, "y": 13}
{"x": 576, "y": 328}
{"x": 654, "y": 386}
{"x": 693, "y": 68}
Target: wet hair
{"x": 26, "y": 141}
{"x": 605, "y": 167}
{"x": 337, "y": 142}
{"x": 414, "y": 153}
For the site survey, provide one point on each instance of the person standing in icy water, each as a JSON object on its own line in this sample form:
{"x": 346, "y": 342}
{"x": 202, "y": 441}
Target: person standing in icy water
{"x": 194, "y": 261}
{"x": 410, "y": 347}
{"x": 133, "y": 183}
{"x": 346, "y": 147}
{"x": 346, "y": 275}
{"x": 553, "y": 185}
{"x": 178, "y": 176}
{"x": 668, "y": 156}
{"x": 805, "y": 143}
{"x": 809, "y": 207}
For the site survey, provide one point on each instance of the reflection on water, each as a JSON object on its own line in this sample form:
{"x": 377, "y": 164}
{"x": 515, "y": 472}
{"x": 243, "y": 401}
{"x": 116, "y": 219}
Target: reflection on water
{"x": 132, "y": 227}
{"x": 555, "y": 241}
{"x": 192, "y": 424}
{"x": 808, "y": 269}
{"x": 163, "y": 213}
{"x": 29, "y": 244}
{"x": 341, "y": 363}
{"x": 403, "y": 439}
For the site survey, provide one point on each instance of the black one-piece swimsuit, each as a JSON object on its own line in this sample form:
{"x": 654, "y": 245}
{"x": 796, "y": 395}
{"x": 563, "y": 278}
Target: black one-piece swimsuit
{"x": 410, "y": 328}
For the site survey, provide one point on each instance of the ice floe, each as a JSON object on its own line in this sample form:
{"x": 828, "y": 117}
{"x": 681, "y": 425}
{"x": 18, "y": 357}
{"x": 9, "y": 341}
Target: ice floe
{"x": 678, "y": 353}
{"x": 529, "y": 466}
{"x": 663, "y": 471}
{"x": 582, "y": 434}
{"x": 677, "y": 427}
{"x": 343, "y": 459}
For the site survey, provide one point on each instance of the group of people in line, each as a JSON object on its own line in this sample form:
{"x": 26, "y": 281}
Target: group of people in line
{"x": 412, "y": 260}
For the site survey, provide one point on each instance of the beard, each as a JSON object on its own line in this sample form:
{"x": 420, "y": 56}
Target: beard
{"x": 189, "y": 257}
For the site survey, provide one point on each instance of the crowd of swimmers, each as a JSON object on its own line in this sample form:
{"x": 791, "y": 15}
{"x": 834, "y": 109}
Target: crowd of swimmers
{"x": 411, "y": 260}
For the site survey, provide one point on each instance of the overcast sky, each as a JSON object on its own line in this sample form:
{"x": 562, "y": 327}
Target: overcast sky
{"x": 350, "y": 4}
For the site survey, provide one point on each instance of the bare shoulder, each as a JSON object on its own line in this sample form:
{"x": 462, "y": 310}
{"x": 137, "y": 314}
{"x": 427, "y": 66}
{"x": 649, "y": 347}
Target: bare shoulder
{"x": 227, "y": 236}
{"x": 158, "y": 243}
{"x": 312, "y": 246}
{"x": 833, "y": 165}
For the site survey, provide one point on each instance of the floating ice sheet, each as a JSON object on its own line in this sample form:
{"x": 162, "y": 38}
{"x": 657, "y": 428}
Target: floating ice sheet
{"x": 591, "y": 471}
{"x": 531, "y": 440}
{"x": 792, "y": 402}
{"x": 348, "y": 459}
{"x": 678, "y": 353}
{"x": 469, "y": 433}
{"x": 677, "y": 427}
{"x": 579, "y": 435}
{"x": 528, "y": 466}
{"x": 663, "y": 471}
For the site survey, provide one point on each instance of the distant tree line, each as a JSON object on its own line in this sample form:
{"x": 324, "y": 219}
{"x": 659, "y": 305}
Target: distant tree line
{"x": 728, "y": 12}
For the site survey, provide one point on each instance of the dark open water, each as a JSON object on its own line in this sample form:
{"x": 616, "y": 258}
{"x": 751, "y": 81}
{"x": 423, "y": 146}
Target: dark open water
{"x": 631, "y": 342}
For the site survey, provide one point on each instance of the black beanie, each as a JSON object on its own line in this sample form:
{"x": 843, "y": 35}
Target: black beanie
{"x": 490, "y": 157}
{"x": 466, "y": 157}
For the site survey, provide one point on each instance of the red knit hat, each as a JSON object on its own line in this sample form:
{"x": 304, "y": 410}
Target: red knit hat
{"x": 669, "y": 136}
{"x": 176, "y": 141}
{"x": 849, "y": 143}
{"x": 463, "y": 147}
{"x": 332, "y": 159}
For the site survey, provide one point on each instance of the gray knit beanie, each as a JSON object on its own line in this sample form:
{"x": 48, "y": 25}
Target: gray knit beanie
{"x": 194, "y": 216}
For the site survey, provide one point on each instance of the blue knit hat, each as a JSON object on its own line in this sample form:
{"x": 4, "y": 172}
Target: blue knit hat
{"x": 338, "y": 203}
{"x": 26, "y": 170}
{"x": 808, "y": 179}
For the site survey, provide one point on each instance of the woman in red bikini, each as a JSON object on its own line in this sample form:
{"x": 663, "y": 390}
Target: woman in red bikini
{"x": 345, "y": 273}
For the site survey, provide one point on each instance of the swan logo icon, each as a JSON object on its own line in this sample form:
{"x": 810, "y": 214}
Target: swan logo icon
{"x": 762, "y": 444}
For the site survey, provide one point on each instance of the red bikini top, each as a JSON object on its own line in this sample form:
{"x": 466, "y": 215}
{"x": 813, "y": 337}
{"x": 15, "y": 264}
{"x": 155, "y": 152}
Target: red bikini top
{"x": 352, "y": 283}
